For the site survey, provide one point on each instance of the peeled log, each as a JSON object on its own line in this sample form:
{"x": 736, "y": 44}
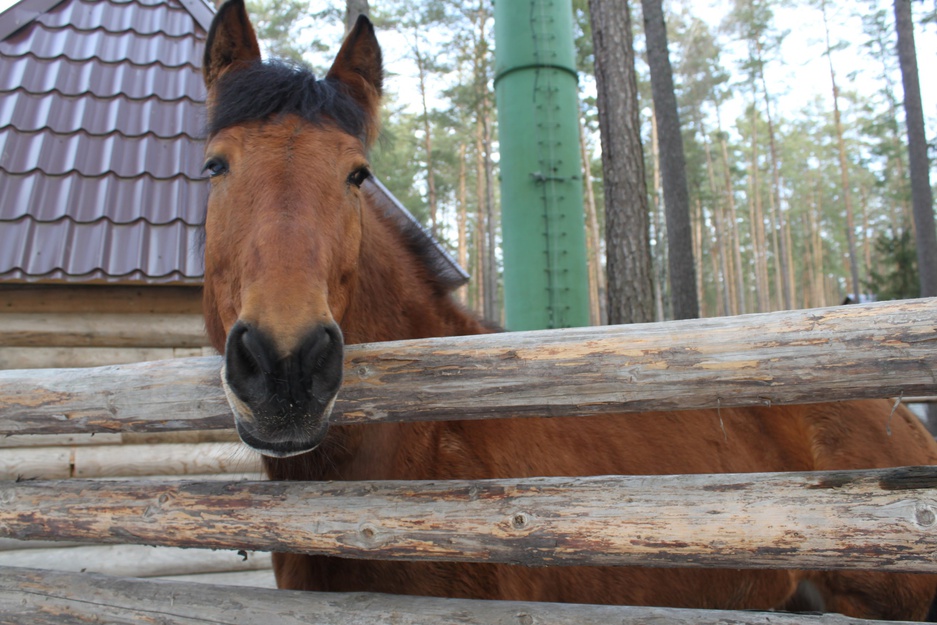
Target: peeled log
{"x": 884, "y": 519}
{"x": 47, "y": 598}
{"x": 876, "y": 350}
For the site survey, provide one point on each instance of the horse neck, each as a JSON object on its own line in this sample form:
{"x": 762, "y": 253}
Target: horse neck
{"x": 396, "y": 297}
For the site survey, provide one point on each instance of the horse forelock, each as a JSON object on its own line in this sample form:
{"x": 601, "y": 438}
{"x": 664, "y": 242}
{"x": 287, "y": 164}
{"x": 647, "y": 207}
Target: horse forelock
{"x": 265, "y": 89}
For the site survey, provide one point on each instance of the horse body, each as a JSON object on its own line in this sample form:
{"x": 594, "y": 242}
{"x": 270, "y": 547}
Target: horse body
{"x": 300, "y": 259}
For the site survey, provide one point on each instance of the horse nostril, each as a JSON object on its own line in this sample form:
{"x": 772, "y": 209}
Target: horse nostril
{"x": 320, "y": 361}
{"x": 249, "y": 357}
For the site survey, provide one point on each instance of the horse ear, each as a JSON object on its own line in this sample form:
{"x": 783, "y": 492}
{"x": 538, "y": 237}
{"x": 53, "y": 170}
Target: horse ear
{"x": 360, "y": 69}
{"x": 231, "y": 41}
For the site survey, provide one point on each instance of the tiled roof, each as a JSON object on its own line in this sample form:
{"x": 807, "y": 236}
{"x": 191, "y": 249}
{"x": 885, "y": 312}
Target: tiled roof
{"x": 101, "y": 111}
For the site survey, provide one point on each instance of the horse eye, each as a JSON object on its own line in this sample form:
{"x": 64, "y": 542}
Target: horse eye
{"x": 215, "y": 167}
{"x": 358, "y": 176}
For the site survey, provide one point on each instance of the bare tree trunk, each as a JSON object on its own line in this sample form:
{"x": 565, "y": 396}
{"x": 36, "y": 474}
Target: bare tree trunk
{"x": 718, "y": 219}
{"x": 733, "y": 222}
{"x": 673, "y": 165}
{"x": 427, "y": 135}
{"x": 462, "y": 221}
{"x": 921, "y": 194}
{"x": 780, "y": 248}
{"x": 815, "y": 225}
{"x": 866, "y": 239}
{"x": 659, "y": 255}
{"x": 843, "y": 166}
{"x": 593, "y": 242}
{"x": 697, "y": 228}
{"x": 493, "y": 311}
{"x": 630, "y": 291}
{"x": 762, "y": 290}
{"x": 354, "y": 8}
{"x": 481, "y": 238}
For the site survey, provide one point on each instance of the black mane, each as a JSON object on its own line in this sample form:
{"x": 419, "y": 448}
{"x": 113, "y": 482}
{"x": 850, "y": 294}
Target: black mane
{"x": 264, "y": 89}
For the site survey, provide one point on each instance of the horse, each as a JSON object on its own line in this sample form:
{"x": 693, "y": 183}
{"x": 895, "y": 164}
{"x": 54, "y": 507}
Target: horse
{"x": 300, "y": 260}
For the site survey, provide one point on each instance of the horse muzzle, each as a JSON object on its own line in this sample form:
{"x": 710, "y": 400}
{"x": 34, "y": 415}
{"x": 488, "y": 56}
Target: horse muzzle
{"x": 282, "y": 403}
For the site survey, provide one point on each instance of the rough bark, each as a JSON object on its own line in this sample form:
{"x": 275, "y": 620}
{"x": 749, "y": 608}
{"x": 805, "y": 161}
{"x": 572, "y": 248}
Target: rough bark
{"x": 921, "y": 194}
{"x": 673, "y": 165}
{"x": 630, "y": 291}
{"x": 54, "y": 598}
{"x": 881, "y": 518}
{"x": 874, "y": 350}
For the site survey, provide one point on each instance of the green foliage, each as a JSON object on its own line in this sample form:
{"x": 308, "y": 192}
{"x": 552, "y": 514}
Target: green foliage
{"x": 899, "y": 277}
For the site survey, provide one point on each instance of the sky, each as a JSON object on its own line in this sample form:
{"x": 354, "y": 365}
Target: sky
{"x": 802, "y": 77}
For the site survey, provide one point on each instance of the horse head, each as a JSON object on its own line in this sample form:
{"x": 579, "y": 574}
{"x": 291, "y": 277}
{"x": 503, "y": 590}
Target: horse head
{"x": 287, "y": 155}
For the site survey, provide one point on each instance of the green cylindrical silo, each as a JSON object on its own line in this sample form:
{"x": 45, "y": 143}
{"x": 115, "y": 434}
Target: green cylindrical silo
{"x": 544, "y": 241}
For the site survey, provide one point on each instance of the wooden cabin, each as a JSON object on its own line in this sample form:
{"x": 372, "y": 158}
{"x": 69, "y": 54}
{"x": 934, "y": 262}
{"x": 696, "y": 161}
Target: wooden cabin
{"x": 101, "y": 193}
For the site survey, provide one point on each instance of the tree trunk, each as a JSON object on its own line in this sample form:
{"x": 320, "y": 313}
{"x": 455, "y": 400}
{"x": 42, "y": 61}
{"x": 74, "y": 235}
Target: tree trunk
{"x": 659, "y": 254}
{"x": 843, "y": 167}
{"x": 673, "y": 165}
{"x": 722, "y": 248}
{"x": 427, "y": 135}
{"x": 593, "y": 241}
{"x": 630, "y": 291}
{"x": 492, "y": 309}
{"x": 354, "y": 8}
{"x": 462, "y": 222}
{"x": 781, "y": 249}
{"x": 481, "y": 256}
{"x": 921, "y": 194}
{"x": 762, "y": 290}
{"x": 733, "y": 222}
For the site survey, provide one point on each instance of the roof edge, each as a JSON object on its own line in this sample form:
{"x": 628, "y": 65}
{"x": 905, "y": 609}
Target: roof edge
{"x": 201, "y": 11}
{"x": 22, "y": 13}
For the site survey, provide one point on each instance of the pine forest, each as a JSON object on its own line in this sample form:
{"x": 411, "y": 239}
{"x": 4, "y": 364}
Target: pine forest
{"x": 793, "y": 125}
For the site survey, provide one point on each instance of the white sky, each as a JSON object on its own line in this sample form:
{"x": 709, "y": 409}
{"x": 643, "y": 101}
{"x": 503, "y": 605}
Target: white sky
{"x": 803, "y": 76}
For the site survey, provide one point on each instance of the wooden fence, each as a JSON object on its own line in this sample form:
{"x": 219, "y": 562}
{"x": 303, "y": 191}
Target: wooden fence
{"x": 889, "y": 516}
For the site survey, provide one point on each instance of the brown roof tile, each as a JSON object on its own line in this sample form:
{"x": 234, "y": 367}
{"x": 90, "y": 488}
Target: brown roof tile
{"x": 100, "y": 118}
{"x": 101, "y": 110}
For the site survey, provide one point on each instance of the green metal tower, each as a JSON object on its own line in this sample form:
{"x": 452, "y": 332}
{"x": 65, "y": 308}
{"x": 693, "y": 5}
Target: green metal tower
{"x": 545, "y": 276}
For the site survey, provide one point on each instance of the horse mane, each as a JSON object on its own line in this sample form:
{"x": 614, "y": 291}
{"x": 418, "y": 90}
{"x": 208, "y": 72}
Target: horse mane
{"x": 263, "y": 89}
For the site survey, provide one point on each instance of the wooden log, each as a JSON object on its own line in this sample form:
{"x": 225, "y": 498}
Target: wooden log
{"x": 51, "y": 598}
{"x": 127, "y": 460}
{"x": 93, "y": 298}
{"x": 125, "y": 438}
{"x": 255, "y": 579}
{"x": 136, "y": 560}
{"x": 59, "y": 440}
{"x": 69, "y": 329}
{"x": 54, "y": 357}
{"x": 872, "y": 350}
{"x": 882, "y": 519}
{"x": 10, "y": 544}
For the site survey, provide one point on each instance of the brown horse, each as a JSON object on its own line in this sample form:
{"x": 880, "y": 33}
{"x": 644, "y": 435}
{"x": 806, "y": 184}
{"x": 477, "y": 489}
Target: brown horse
{"x": 299, "y": 260}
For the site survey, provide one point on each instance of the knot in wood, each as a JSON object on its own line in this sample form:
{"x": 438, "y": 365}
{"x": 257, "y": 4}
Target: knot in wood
{"x": 520, "y": 520}
{"x": 525, "y": 619}
{"x": 924, "y": 515}
{"x": 368, "y": 532}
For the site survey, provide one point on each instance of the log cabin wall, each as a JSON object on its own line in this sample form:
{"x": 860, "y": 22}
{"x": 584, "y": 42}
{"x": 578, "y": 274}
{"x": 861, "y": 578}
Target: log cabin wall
{"x": 69, "y": 325}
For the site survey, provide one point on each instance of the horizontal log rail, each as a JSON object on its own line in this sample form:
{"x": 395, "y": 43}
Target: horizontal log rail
{"x": 884, "y": 519}
{"x": 44, "y": 597}
{"x": 884, "y": 349}
{"x": 102, "y": 329}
